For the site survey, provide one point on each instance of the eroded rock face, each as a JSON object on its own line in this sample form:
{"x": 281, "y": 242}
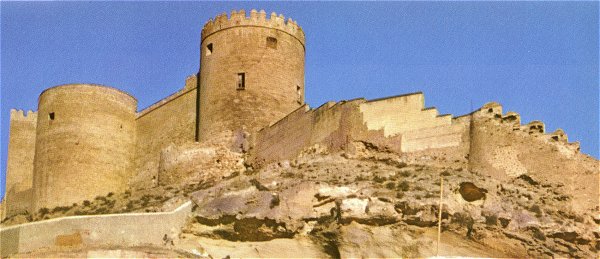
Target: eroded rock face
{"x": 383, "y": 207}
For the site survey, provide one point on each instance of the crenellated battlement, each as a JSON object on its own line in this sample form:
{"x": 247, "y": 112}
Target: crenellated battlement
{"x": 534, "y": 128}
{"x": 256, "y": 19}
{"x": 20, "y": 115}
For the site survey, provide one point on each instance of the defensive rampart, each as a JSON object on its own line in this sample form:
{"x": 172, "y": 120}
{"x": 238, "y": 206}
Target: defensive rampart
{"x": 21, "y": 151}
{"x": 502, "y": 148}
{"x": 252, "y": 74}
{"x": 131, "y": 229}
{"x": 169, "y": 121}
{"x": 84, "y": 143}
{"x": 399, "y": 123}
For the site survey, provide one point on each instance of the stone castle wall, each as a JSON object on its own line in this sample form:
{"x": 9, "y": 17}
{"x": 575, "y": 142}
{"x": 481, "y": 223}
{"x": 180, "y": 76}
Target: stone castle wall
{"x": 88, "y": 140}
{"x": 169, "y": 121}
{"x": 21, "y": 151}
{"x": 85, "y": 143}
{"x": 398, "y": 123}
{"x": 270, "y": 54}
{"x": 502, "y": 148}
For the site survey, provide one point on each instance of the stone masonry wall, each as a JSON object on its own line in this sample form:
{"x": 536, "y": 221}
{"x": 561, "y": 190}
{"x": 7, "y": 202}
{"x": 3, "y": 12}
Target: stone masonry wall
{"x": 399, "y": 123}
{"x": 503, "y": 148}
{"x": 270, "y": 53}
{"x": 19, "y": 168}
{"x": 170, "y": 121}
{"x": 420, "y": 128}
{"x": 84, "y": 143}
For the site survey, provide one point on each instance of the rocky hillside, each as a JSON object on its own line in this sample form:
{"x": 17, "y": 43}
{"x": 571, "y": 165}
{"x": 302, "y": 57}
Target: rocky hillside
{"x": 376, "y": 205}
{"x": 370, "y": 203}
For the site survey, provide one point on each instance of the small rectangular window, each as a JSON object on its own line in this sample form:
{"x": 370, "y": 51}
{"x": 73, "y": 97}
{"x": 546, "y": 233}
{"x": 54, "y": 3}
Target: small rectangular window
{"x": 51, "y": 116}
{"x": 209, "y": 49}
{"x": 241, "y": 81}
{"x": 272, "y": 42}
{"x": 299, "y": 94}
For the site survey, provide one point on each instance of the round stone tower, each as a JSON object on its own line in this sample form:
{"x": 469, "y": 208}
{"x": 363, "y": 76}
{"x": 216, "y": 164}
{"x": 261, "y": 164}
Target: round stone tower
{"x": 251, "y": 74}
{"x": 85, "y": 142}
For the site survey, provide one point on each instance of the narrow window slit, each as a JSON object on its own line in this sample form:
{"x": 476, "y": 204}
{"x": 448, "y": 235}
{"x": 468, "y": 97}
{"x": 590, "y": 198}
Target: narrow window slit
{"x": 241, "y": 81}
{"x": 209, "y": 49}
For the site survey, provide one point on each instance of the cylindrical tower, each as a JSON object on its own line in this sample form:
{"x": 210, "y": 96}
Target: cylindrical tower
{"x": 85, "y": 142}
{"x": 251, "y": 74}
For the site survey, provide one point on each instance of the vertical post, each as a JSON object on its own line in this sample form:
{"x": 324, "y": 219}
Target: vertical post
{"x": 437, "y": 253}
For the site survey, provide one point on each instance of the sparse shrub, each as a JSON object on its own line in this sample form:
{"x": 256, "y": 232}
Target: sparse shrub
{"x": 360, "y": 178}
{"x": 405, "y": 174}
{"x": 536, "y": 209}
{"x": 390, "y": 185}
{"x": 379, "y": 179}
{"x": 60, "y": 209}
{"x": 274, "y": 201}
{"x": 419, "y": 188}
{"x": 445, "y": 173}
{"x": 400, "y": 164}
{"x": 101, "y": 210}
{"x": 86, "y": 203}
{"x": 491, "y": 220}
{"x": 399, "y": 195}
{"x": 129, "y": 205}
{"x": 43, "y": 211}
{"x": 403, "y": 186}
{"x": 430, "y": 195}
{"x": 110, "y": 194}
{"x": 100, "y": 198}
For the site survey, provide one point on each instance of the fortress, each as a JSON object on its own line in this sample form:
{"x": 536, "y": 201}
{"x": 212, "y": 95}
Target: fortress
{"x": 245, "y": 107}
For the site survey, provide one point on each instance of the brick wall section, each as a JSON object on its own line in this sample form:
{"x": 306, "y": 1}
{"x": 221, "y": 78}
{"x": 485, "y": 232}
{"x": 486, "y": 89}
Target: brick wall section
{"x": 86, "y": 149}
{"x": 170, "y": 121}
{"x": 19, "y": 168}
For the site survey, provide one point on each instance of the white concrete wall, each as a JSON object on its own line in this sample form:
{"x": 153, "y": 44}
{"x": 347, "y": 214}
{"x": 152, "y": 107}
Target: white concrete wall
{"x": 113, "y": 229}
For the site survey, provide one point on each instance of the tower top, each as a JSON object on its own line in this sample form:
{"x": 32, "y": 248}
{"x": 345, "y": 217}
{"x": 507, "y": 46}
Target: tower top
{"x": 256, "y": 19}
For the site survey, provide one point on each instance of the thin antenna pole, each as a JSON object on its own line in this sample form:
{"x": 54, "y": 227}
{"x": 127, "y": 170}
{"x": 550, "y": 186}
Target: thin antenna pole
{"x": 471, "y": 108}
{"x": 437, "y": 253}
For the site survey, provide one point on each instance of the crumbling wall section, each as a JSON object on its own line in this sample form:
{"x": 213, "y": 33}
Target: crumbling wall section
{"x": 504, "y": 149}
{"x": 196, "y": 162}
{"x": 170, "y": 121}
{"x": 19, "y": 168}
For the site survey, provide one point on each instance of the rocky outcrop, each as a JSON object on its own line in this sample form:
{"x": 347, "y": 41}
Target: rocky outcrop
{"x": 381, "y": 206}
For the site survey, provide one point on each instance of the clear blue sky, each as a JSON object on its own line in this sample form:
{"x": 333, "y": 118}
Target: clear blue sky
{"x": 539, "y": 59}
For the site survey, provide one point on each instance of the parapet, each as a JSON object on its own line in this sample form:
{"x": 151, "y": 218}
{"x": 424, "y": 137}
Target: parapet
{"x": 20, "y": 115}
{"x": 492, "y": 109}
{"x": 536, "y": 127}
{"x": 256, "y": 19}
{"x": 559, "y": 135}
